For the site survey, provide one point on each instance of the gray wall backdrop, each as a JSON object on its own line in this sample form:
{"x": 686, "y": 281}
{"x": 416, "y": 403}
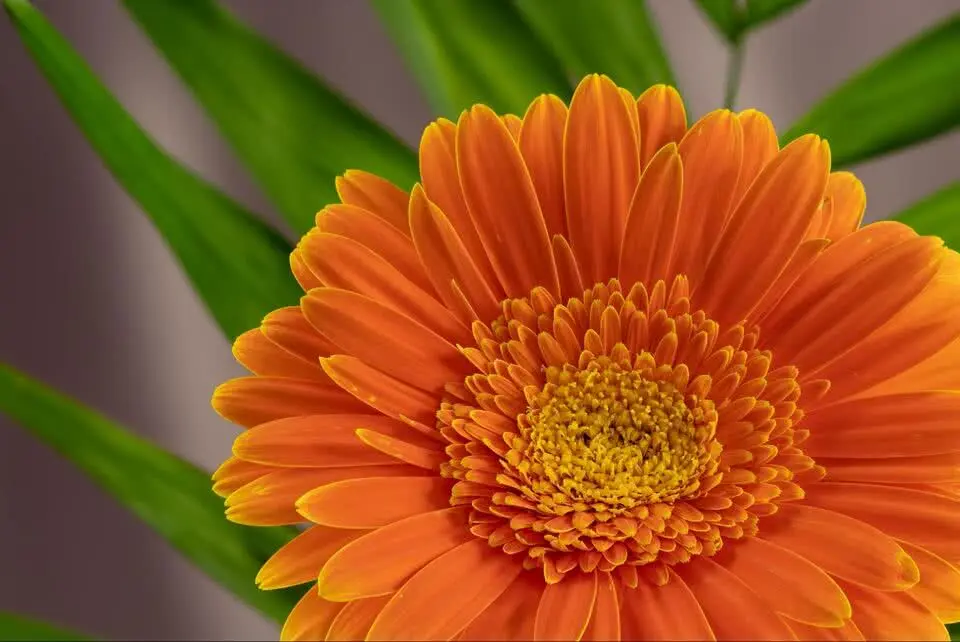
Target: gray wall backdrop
{"x": 93, "y": 304}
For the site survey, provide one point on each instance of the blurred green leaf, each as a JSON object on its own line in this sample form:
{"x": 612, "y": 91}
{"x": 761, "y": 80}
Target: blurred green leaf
{"x": 294, "y": 133}
{"x": 611, "y": 37}
{"x": 472, "y": 51}
{"x": 238, "y": 265}
{"x": 172, "y": 496}
{"x": 937, "y": 215}
{"x": 908, "y": 96}
{"x": 734, "y": 19}
{"x": 18, "y": 628}
{"x": 759, "y": 11}
{"x": 724, "y": 15}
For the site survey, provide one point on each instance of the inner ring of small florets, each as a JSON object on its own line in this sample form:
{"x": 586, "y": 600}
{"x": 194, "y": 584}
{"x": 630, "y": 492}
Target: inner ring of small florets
{"x": 614, "y": 435}
{"x": 620, "y": 432}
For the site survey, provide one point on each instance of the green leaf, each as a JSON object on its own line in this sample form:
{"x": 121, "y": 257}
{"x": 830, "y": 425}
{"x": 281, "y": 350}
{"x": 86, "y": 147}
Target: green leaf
{"x": 724, "y": 15}
{"x": 472, "y": 51}
{"x": 760, "y": 11}
{"x": 937, "y": 215}
{"x": 17, "y": 628}
{"x": 908, "y": 96}
{"x": 238, "y": 265}
{"x": 611, "y": 37}
{"x": 293, "y": 133}
{"x": 734, "y": 20}
{"x": 172, "y": 496}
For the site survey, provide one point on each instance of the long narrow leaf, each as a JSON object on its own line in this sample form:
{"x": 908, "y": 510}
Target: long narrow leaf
{"x": 18, "y": 628}
{"x": 471, "y": 51}
{"x": 612, "y": 37}
{"x": 908, "y": 96}
{"x": 293, "y": 133}
{"x": 734, "y": 20}
{"x": 937, "y": 215}
{"x": 759, "y": 11}
{"x": 238, "y": 265}
{"x": 172, "y": 496}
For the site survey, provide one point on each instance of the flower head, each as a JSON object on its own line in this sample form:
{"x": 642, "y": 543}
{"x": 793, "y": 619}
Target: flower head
{"x": 602, "y": 376}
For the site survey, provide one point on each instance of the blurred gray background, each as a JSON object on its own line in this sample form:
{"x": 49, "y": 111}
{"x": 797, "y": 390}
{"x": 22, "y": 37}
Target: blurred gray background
{"x": 93, "y": 304}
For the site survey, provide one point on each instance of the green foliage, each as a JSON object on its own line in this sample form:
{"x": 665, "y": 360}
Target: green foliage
{"x": 734, "y": 19}
{"x": 602, "y": 36}
{"x": 472, "y": 51}
{"x": 237, "y": 264}
{"x": 937, "y": 215}
{"x": 16, "y": 628}
{"x": 906, "y": 97}
{"x": 293, "y": 133}
{"x": 170, "y": 495}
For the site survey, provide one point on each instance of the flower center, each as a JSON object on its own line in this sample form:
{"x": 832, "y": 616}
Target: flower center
{"x": 616, "y": 436}
{"x": 624, "y": 432}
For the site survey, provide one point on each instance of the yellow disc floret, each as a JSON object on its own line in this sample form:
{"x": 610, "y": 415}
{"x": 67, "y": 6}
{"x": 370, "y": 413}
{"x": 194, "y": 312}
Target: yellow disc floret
{"x": 611, "y": 435}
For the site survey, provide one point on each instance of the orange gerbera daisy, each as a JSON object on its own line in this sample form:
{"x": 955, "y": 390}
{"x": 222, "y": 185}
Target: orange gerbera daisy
{"x": 603, "y": 377}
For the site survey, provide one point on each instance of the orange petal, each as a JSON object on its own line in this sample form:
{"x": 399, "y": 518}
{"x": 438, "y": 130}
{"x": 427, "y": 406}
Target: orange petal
{"x": 310, "y": 619}
{"x": 919, "y": 517}
{"x": 847, "y": 256}
{"x": 650, "y": 233}
{"x": 904, "y": 425}
{"x": 541, "y": 144}
{"x": 376, "y": 195}
{"x": 503, "y": 203}
{"x": 319, "y": 441}
{"x": 441, "y": 181}
{"x": 789, "y": 584}
{"x": 841, "y": 545}
{"x": 712, "y": 151}
{"x": 894, "y": 470}
{"x": 377, "y": 235}
{"x": 345, "y": 264}
{"x": 235, "y": 473}
{"x": 939, "y": 586}
{"x": 604, "y": 624}
{"x": 662, "y": 119}
{"x": 249, "y": 401}
{"x": 601, "y": 167}
{"x": 288, "y": 328}
{"x": 848, "y": 202}
{"x": 668, "y": 612}
{"x": 916, "y": 333}
{"x": 571, "y": 279}
{"x": 301, "y": 272}
{"x": 373, "y": 502}
{"x": 511, "y": 616}
{"x": 271, "y": 500}
{"x": 513, "y": 124}
{"x": 261, "y": 356}
{"x": 760, "y": 146}
{"x": 380, "y": 562}
{"x": 883, "y": 615}
{"x": 765, "y": 229}
{"x": 848, "y": 631}
{"x": 805, "y": 256}
{"x": 821, "y": 335}
{"x": 415, "y": 452}
{"x": 447, "y": 259}
{"x": 735, "y": 612}
{"x": 390, "y": 396}
{"x": 354, "y": 621}
{"x": 565, "y": 607}
{"x": 300, "y": 560}
{"x": 384, "y": 339}
{"x": 465, "y": 581}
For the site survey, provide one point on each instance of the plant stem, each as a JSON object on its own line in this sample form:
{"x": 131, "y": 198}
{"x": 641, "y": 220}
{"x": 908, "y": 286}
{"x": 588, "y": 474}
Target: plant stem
{"x": 733, "y": 72}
